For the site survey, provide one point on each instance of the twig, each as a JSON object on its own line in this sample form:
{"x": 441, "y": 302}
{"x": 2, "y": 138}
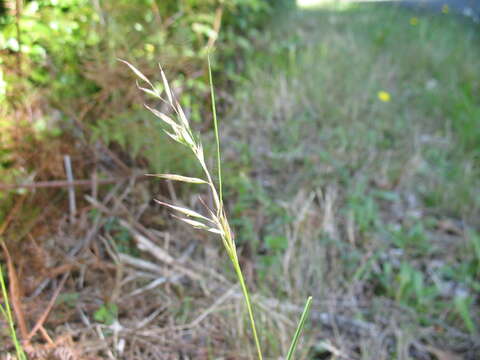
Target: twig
{"x": 14, "y": 289}
{"x": 45, "y": 314}
{"x": 149, "y": 318}
{"x": 144, "y": 236}
{"x": 63, "y": 183}
{"x": 94, "y": 185}
{"x": 85, "y": 242}
{"x": 102, "y": 337}
{"x": 45, "y": 335}
{"x": 112, "y": 251}
{"x": 145, "y": 244}
{"x": 139, "y": 263}
{"x": 71, "y": 190}
{"x": 214, "y": 306}
{"x": 152, "y": 285}
{"x": 11, "y": 215}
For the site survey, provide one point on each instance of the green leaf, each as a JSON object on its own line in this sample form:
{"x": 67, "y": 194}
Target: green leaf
{"x": 106, "y": 314}
{"x": 70, "y": 299}
{"x": 462, "y": 305}
{"x": 276, "y": 243}
{"x": 300, "y": 327}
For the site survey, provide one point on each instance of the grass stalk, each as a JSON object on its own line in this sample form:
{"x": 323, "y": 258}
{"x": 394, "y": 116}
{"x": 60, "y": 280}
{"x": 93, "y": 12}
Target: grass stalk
{"x": 234, "y": 258}
{"x": 179, "y": 130}
{"x": 248, "y": 303}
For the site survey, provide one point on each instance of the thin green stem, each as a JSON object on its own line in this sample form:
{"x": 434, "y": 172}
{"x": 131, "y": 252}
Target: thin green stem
{"x": 230, "y": 246}
{"x": 246, "y": 295}
{"x": 217, "y": 138}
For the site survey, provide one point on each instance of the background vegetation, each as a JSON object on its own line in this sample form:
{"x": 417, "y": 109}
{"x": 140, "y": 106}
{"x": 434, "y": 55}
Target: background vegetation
{"x": 351, "y": 144}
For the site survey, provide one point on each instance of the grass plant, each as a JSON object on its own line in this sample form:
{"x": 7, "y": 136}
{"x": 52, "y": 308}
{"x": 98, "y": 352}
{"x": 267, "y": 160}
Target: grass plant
{"x": 216, "y": 221}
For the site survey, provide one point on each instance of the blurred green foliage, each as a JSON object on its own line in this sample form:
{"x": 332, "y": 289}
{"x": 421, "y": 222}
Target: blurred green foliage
{"x": 50, "y": 37}
{"x": 55, "y": 38}
{"x": 59, "y": 71}
{"x": 60, "y": 79}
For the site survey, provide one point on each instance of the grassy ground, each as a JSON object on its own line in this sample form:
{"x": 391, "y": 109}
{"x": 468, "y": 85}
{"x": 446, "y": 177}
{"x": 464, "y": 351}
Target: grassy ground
{"x": 351, "y": 173}
{"x": 359, "y": 137}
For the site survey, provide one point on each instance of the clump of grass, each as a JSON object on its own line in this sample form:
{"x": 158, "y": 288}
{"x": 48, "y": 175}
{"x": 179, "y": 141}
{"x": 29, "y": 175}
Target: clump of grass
{"x": 217, "y": 221}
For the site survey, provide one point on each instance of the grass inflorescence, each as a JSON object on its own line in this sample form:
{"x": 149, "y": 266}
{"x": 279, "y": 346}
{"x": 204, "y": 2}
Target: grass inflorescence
{"x": 217, "y": 221}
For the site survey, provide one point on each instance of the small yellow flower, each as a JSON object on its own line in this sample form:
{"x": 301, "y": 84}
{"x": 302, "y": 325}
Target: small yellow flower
{"x": 149, "y": 48}
{"x": 445, "y": 9}
{"x": 384, "y": 96}
{"x": 413, "y": 21}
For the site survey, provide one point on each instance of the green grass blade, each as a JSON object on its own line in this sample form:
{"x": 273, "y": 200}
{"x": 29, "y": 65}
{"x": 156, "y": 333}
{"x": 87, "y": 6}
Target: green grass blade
{"x": 7, "y": 313}
{"x": 217, "y": 138}
{"x": 300, "y": 326}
